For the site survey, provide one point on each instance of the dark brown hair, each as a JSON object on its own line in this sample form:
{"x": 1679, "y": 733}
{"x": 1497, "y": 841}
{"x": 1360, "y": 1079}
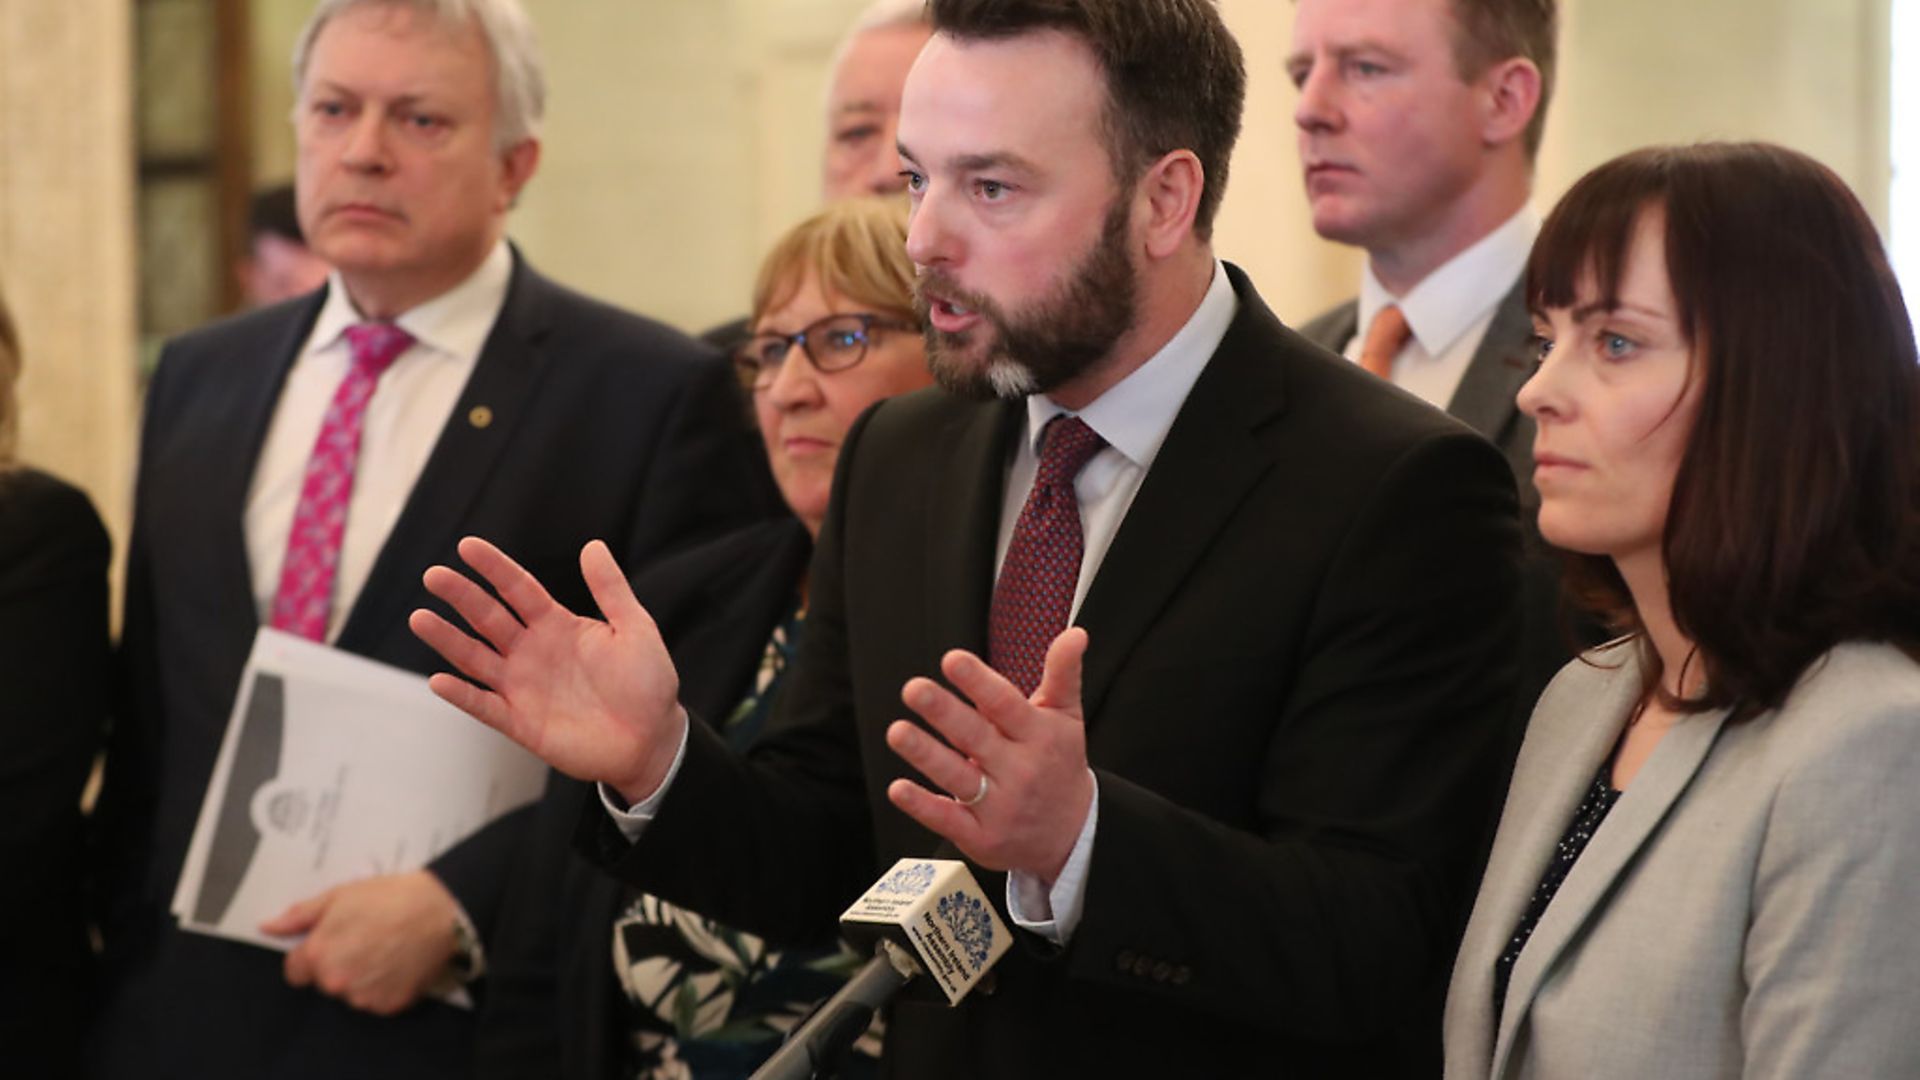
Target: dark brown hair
{"x": 1489, "y": 31}
{"x": 1795, "y": 518}
{"x": 1175, "y": 77}
{"x": 9, "y": 376}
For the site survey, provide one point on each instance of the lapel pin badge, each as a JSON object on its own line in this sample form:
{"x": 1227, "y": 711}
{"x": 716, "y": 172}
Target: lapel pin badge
{"x": 480, "y": 416}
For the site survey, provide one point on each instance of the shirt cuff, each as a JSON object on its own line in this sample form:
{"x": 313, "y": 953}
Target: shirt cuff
{"x": 1054, "y": 913}
{"x": 633, "y": 820}
{"x": 467, "y": 938}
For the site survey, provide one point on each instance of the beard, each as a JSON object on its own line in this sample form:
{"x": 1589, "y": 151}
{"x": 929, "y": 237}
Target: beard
{"x": 1036, "y": 350}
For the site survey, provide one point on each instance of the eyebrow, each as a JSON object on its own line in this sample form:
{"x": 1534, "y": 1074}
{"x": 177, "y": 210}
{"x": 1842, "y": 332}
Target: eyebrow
{"x": 1587, "y": 311}
{"x": 408, "y": 100}
{"x": 998, "y": 160}
{"x": 1344, "y": 52}
{"x": 864, "y": 105}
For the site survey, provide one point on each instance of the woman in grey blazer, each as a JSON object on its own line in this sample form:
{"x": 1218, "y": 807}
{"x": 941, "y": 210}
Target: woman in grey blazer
{"x": 1709, "y": 860}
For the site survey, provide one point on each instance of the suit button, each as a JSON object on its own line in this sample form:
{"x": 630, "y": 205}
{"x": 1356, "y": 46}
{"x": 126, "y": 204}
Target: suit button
{"x": 1143, "y": 966}
{"x": 1124, "y": 961}
{"x": 1161, "y": 971}
{"x": 1182, "y": 975}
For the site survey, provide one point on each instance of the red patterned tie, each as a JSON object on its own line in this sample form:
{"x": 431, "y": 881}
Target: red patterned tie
{"x": 1035, "y": 591}
{"x": 305, "y": 598}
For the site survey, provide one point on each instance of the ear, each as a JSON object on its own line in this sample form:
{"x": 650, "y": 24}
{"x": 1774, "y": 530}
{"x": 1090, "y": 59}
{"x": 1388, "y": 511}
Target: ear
{"x": 517, "y": 164}
{"x": 1168, "y": 195}
{"x": 1511, "y": 92}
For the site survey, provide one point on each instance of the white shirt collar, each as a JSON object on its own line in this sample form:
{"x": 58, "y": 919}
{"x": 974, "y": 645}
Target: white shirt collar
{"x": 1449, "y": 301}
{"x": 1135, "y": 415}
{"x": 456, "y": 322}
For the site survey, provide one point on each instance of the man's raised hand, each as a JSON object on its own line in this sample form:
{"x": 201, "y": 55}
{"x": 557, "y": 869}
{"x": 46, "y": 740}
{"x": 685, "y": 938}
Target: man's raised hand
{"x": 596, "y": 700}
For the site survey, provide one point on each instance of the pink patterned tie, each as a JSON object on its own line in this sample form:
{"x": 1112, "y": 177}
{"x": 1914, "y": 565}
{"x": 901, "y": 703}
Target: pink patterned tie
{"x": 1035, "y": 591}
{"x": 305, "y": 598}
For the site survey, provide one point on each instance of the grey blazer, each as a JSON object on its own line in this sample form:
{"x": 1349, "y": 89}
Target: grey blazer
{"x": 1484, "y": 398}
{"x": 1747, "y": 908}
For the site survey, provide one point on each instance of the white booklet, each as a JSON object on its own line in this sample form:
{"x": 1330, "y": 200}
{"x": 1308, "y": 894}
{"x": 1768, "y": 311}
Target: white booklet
{"x": 335, "y": 768}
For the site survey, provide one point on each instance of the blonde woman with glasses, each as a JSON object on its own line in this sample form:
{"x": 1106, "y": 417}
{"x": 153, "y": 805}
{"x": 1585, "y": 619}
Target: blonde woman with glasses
{"x": 833, "y": 332}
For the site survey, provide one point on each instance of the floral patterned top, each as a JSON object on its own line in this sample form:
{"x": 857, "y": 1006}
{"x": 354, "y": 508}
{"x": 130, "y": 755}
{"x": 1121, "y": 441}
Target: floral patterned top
{"x": 705, "y": 1001}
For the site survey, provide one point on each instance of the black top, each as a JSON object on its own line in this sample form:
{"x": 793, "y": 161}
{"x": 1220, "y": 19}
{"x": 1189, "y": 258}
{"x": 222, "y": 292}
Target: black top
{"x": 53, "y": 673}
{"x": 1601, "y": 796}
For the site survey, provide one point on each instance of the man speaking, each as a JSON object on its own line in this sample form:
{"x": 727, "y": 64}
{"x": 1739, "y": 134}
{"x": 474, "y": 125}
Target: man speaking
{"x": 1208, "y": 633}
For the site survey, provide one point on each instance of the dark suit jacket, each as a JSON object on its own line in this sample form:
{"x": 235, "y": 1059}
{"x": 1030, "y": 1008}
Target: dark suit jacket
{"x": 1300, "y": 662}
{"x": 1485, "y": 401}
{"x": 53, "y": 671}
{"x": 553, "y": 1007}
{"x": 603, "y": 425}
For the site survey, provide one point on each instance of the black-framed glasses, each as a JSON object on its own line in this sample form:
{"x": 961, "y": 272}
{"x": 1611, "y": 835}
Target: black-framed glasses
{"x": 834, "y": 343}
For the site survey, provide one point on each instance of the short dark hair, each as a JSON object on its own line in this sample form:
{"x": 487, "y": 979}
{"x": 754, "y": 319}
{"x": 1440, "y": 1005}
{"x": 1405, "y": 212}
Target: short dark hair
{"x": 1489, "y": 31}
{"x": 1175, "y": 76}
{"x": 1795, "y": 518}
{"x": 271, "y": 212}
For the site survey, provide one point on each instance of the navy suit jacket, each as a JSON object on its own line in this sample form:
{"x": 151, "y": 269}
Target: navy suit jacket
{"x": 603, "y": 425}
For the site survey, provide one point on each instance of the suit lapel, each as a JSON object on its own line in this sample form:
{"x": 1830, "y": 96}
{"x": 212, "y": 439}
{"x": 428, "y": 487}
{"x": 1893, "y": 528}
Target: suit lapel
{"x": 1549, "y": 800}
{"x": 231, "y": 465}
{"x": 963, "y": 523}
{"x": 1640, "y": 810}
{"x": 1484, "y": 400}
{"x": 1174, "y": 517}
{"x": 460, "y": 464}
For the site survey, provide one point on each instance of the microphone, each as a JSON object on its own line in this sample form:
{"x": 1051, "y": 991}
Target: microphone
{"x": 924, "y": 918}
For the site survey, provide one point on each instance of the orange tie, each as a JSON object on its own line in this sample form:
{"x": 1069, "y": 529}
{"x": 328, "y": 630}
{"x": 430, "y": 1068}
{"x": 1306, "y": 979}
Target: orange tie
{"x": 1385, "y": 338}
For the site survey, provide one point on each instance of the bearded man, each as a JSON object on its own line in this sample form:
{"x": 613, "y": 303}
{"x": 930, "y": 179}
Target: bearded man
{"x": 1209, "y": 634}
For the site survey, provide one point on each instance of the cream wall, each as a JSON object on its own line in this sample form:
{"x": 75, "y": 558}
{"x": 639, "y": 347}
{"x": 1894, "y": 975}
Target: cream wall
{"x": 1808, "y": 73}
{"x": 67, "y": 237}
{"x": 683, "y": 135}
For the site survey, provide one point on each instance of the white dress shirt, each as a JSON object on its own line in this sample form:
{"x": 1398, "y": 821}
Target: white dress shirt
{"x": 410, "y": 406}
{"x": 1134, "y": 418}
{"x": 1450, "y": 309}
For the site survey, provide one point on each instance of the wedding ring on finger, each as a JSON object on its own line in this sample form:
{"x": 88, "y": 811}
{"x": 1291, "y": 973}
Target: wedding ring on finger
{"x": 978, "y": 794}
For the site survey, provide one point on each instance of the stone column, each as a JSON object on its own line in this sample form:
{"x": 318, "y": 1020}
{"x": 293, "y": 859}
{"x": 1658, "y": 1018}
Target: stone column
{"x": 67, "y": 238}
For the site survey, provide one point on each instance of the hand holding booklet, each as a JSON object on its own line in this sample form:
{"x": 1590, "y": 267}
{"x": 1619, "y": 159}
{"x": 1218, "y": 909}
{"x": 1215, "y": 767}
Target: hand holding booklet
{"x": 335, "y": 768}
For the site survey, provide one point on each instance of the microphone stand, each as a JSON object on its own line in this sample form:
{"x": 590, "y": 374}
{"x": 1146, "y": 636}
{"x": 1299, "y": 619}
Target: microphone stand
{"x": 818, "y": 1048}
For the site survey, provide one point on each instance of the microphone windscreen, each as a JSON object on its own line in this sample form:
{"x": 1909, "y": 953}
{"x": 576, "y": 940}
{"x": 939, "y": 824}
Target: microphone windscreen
{"x": 936, "y": 910}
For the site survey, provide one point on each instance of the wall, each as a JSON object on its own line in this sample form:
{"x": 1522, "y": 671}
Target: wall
{"x": 1808, "y": 73}
{"x": 684, "y": 134}
{"x": 67, "y": 237}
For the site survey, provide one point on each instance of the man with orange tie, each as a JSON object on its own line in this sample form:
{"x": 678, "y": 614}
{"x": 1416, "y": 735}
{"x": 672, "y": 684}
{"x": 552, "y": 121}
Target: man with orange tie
{"x": 1418, "y": 123}
{"x": 301, "y": 466}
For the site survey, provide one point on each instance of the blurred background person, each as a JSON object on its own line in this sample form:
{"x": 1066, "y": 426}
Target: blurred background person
{"x": 1418, "y": 123}
{"x": 834, "y": 331}
{"x": 53, "y": 673}
{"x": 863, "y": 99}
{"x": 869, "y": 70}
{"x": 1709, "y": 859}
{"x": 278, "y": 264}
